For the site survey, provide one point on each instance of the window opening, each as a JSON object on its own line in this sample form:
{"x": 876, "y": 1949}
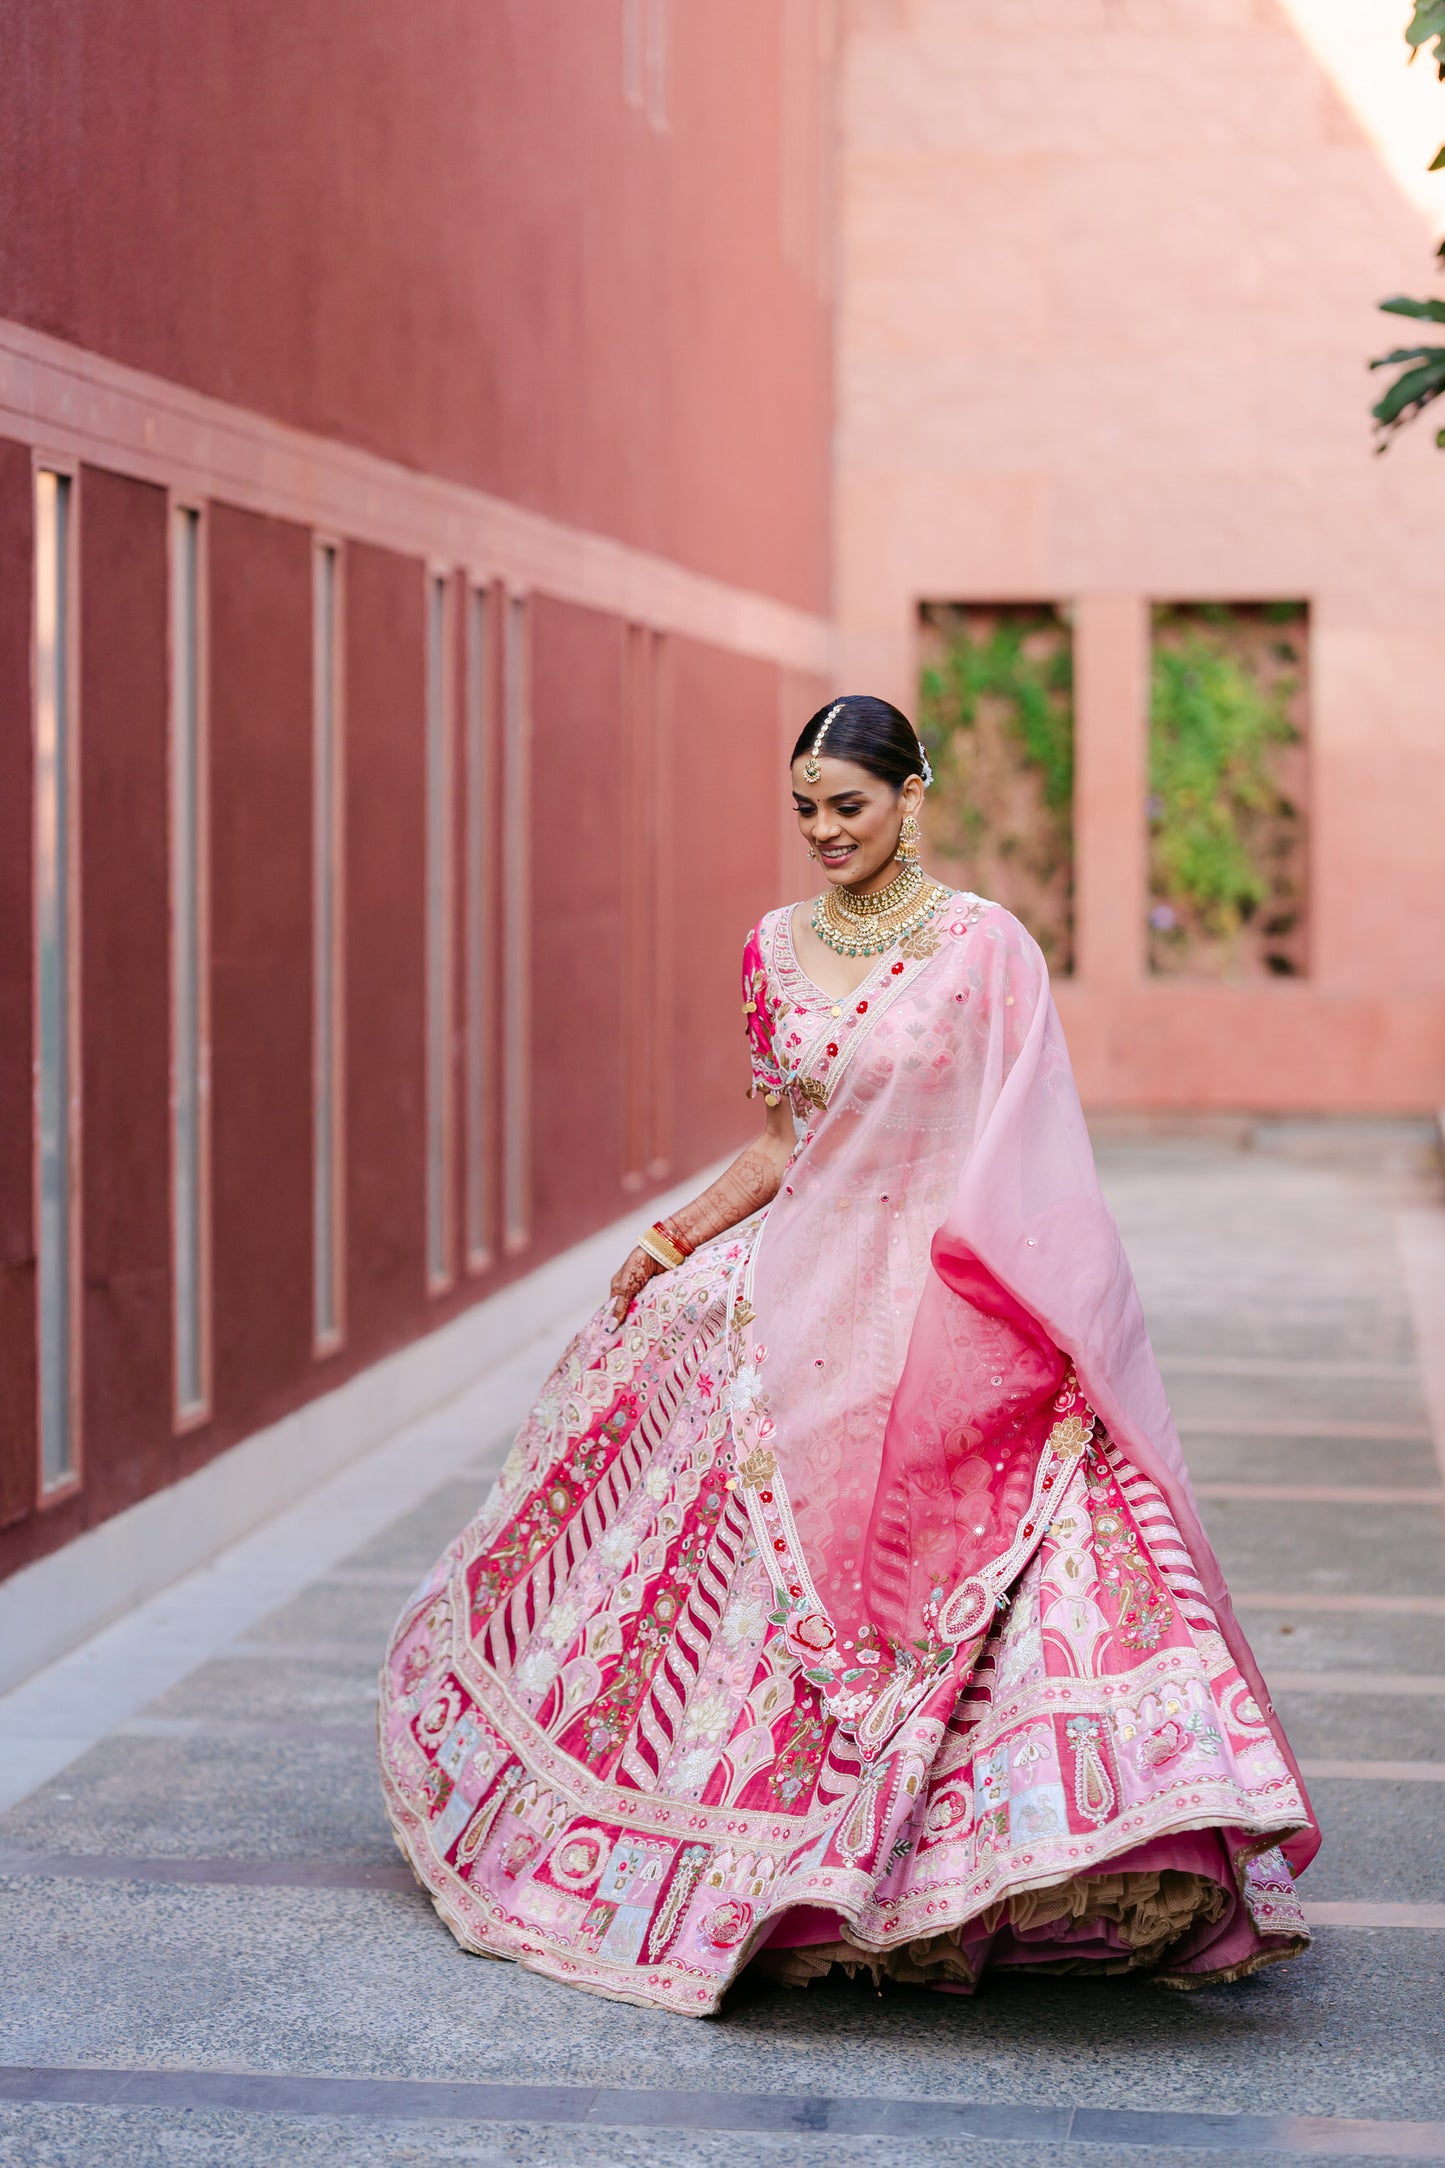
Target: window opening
{"x": 56, "y": 1063}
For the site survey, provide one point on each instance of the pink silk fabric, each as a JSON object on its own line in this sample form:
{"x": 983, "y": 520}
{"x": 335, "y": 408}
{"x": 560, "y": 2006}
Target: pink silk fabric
{"x": 937, "y": 1271}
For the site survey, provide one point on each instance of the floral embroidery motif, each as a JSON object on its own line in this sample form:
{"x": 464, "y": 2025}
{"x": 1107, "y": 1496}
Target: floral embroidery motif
{"x": 1144, "y": 1607}
{"x": 921, "y": 943}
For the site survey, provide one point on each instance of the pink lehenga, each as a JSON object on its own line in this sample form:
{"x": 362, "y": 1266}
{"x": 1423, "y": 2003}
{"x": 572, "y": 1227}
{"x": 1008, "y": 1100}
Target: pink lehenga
{"x": 848, "y": 1603}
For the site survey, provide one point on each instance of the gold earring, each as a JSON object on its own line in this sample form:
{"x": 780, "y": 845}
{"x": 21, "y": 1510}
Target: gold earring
{"x": 812, "y": 850}
{"x": 908, "y": 836}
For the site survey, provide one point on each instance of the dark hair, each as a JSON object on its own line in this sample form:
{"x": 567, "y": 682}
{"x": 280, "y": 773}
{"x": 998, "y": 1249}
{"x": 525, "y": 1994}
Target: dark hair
{"x": 873, "y": 734}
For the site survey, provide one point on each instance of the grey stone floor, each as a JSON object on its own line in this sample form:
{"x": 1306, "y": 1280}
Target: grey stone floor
{"x": 1271, "y": 1265}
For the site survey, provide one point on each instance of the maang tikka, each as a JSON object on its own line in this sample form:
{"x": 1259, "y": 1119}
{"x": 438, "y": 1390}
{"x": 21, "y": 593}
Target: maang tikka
{"x": 812, "y": 773}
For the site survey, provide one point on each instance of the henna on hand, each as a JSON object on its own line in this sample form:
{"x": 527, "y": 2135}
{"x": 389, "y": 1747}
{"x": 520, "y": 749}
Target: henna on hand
{"x": 753, "y": 1180}
{"x": 629, "y": 1280}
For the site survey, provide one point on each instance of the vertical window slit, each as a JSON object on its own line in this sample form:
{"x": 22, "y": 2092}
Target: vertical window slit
{"x": 478, "y": 935}
{"x": 188, "y": 964}
{"x": 328, "y": 1058}
{"x": 516, "y": 950}
{"x": 438, "y": 938}
{"x": 56, "y": 1075}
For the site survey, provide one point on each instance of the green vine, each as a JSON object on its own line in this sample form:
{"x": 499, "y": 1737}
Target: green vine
{"x": 1035, "y": 689}
{"x": 996, "y": 715}
{"x": 1214, "y": 730}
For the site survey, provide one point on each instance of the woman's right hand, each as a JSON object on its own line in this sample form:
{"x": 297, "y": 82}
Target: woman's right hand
{"x": 629, "y": 1280}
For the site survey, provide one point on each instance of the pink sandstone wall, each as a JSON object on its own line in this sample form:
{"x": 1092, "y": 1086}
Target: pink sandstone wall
{"x": 1106, "y": 295}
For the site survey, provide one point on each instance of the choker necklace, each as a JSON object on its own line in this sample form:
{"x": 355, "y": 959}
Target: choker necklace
{"x": 902, "y": 889}
{"x": 867, "y": 925}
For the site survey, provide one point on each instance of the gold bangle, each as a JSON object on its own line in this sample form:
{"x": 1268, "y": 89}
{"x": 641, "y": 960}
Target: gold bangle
{"x": 659, "y": 1249}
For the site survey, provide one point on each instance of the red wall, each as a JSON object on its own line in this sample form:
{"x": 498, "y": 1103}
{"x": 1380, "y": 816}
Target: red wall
{"x": 442, "y": 233}
{"x": 721, "y": 847}
{"x": 634, "y": 1003}
{"x": 125, "y": 995}
{"x": 577, "y": 836}
{"x": 385, "y": 949}
{"x": 260, "y": 800}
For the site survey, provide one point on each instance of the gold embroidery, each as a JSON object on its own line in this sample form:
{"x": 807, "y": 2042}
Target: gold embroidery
{"x": 758, "y": 1468}
{"x": 920, "y": 944}
{"x": 1070, "y": 1437}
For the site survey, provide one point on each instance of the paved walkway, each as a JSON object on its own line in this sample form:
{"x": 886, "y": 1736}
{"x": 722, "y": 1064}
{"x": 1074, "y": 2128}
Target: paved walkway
{"x": 210, "y": 1953}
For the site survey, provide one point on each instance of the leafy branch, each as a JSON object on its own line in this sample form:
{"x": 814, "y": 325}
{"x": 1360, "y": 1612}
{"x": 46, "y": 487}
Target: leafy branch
{"x": 1427, "y": 27}
{"x": 1422, "y": 377}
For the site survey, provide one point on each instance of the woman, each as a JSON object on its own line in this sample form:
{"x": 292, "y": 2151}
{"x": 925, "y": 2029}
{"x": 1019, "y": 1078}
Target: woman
{"x": 844, "y": 1598}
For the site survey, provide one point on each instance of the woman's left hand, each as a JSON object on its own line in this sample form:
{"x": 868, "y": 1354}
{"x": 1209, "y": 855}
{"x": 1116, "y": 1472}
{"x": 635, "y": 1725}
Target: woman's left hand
{"x": 629, "y": 1280}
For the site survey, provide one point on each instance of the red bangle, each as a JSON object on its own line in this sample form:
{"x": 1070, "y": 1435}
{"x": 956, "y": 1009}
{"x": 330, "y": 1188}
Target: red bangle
{"x": 671, "y": 1232}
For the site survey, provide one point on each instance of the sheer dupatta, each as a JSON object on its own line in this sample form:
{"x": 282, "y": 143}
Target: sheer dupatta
{"x": 936, "y": 1316}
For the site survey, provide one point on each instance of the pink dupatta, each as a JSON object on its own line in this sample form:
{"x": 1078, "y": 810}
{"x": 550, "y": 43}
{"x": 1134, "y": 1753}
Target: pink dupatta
{"x": 934, "y": 1314}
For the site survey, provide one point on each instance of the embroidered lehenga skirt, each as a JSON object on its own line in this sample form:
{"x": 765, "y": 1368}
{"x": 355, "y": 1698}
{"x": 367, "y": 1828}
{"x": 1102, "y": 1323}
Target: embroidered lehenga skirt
{"x": 603, "y": 1761}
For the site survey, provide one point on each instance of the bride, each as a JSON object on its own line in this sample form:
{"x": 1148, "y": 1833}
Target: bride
{"x": 844, "y": 1599}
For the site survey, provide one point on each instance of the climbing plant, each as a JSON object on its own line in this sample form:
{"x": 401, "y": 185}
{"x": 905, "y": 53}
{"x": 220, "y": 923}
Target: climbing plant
{"x": 996, "y": 714}
{"x": 1225, "y": 842}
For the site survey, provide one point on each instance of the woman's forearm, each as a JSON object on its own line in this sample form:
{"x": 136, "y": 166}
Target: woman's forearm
{"x": 753, "y": 1180}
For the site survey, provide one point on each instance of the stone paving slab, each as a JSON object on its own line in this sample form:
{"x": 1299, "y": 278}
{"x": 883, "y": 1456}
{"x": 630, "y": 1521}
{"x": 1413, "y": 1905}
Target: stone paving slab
{"x": 1324, "y": 1726}
{"x": 211, "y": 1797}
{"x": 334, "y": 1610}
{"x": 1384, "y": 1837}
{"x": 295, "y": 1687}
{"x": 1254, "y": 1457}
{"x": 1333, "y": 1392}
{"x": 157, "y": 2138}
{"x": 1333, "y": 1640}
{"x": 365, "y": 1983}
{"x": 413, "y": 1543}
{"x": 754, "y": 2114}
{"x": 1330, "y": 1547}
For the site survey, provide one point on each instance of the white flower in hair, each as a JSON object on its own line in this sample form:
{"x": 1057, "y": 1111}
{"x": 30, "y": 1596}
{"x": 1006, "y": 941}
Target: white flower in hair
{"x": 927, "y": 767}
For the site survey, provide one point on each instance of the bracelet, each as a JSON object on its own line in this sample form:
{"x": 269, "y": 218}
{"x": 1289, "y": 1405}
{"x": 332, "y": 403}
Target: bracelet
{"x": 661, "y": 1249}
{"x": 674, "y": 1235}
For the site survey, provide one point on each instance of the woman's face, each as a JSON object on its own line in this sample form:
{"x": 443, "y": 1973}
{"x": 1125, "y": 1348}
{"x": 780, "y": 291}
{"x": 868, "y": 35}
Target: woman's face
{"x": 852, "y": 818}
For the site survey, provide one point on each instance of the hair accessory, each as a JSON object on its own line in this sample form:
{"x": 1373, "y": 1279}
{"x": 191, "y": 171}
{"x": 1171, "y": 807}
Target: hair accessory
{"x": 811, "y": 771}
{"x": 927, "y": 767}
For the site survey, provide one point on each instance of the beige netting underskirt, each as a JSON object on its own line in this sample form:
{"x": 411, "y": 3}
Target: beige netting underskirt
{"x": 1149, "y": 1911}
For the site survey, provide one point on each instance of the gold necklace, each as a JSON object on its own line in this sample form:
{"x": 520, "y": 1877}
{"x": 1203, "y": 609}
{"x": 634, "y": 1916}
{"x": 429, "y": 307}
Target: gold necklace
{"x": 902, "y": 889}
{"x": 858, "y": 933}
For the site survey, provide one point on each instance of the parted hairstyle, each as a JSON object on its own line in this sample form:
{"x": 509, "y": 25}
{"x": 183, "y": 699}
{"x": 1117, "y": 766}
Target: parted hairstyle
{"x": 872, "y": 733}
